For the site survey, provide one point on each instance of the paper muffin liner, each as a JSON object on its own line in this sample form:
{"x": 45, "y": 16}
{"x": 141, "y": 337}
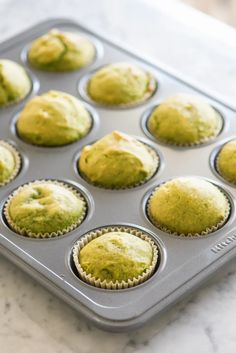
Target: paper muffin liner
{"x": 17, "y": 159}
{"x": 155, "y": 166}
{"x": 151, "y": 89}
{"x": 195, "y": 143}
{"x": 27, "y": 232}
{"x": 96, "y": 282}
{"x": 206, "y": 232}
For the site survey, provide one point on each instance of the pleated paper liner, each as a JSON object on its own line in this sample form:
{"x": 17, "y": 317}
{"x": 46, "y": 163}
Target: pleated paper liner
{"x": 88, "y": 278}
{"x": 150, "y": 90}
{"x": 206, "y": 232}
{"x": 202, "y": 141}
{"x": 156, "y": 163}
{"x": 28, "y": 232}
{"x": 17, "y": 159}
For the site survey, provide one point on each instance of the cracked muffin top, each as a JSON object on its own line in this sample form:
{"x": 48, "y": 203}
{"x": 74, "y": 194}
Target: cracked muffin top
{"x": 61, "y": 51}
{"x": 15, "y": 84}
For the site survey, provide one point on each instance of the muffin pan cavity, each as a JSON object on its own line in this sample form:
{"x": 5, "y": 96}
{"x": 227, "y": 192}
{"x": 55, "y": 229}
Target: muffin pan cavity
{"x": 83, "y": 91}
{"x": 144, "y": 126}
{"x": 183, "y": 262}
{"x": 92, "y": 129}
{"x": 11, "y": 162}
{"x": 214, "y": 162}
{"x": 99, "y": 52}
{"x": 156, "y": 263}
{"x": 34, "y": 88}
{"x": 41, "y": 199}
{"x": 154, "y": 154}
{"x": 188, "y": 191}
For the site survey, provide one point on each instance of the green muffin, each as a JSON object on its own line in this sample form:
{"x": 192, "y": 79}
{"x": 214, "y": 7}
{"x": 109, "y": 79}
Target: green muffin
{"x": 226, "y": 161}
{"x": 116, "y": 256}
{"x": 44, "y": 209}
{"x": 61, "y": 51}
{"x": 120, "y": 84}
{"x": 117, "y": 161}
{"x": 188, "y": 206}
{"x": 184, "y": 119}
{"x": 15, "y": 84}
{"x": 53, "y": 119}
{"x": 9, "y": 163}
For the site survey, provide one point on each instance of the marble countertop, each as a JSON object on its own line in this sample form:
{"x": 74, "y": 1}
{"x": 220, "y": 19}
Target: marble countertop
{"x": 32, "y": 320}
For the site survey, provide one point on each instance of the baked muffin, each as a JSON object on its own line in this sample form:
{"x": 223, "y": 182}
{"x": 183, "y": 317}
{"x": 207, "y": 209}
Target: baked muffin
{"x": 184, "y": 119}
{"x": 44, "y": 209}
{"x": 226, "y": 161}
{"x": 61, "y": 51}
{"x": 188, "y": 206}
{"x": 117, "y": 161}
{"x": 115, "y": 257}
{"x": 9, "y": 163}
{"x": 53, "y": 119}
{"x": 15, "y": 84}
{"x": 120, "y": 84}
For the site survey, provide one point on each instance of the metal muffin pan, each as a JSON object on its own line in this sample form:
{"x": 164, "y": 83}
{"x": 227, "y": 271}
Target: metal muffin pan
{"x": 184, "y": 262}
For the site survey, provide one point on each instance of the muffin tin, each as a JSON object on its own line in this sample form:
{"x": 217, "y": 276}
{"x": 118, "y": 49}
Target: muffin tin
{"x": 184, "y": 263}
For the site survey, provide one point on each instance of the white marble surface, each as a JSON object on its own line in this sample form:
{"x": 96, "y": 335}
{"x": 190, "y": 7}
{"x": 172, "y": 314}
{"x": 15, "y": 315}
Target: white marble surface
{"x": 31, "y": 319}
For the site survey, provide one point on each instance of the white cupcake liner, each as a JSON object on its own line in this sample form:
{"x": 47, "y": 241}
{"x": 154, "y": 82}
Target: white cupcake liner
{"x": 96, "y": 282}
{"x": 156, "y": 163}
{"x": 202, "y": 141}
{"x": 206, "y": 232}
{"x": 27, "y": 232}
{"x": 17, "y": 159}
{"x": 152, "y": 87}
